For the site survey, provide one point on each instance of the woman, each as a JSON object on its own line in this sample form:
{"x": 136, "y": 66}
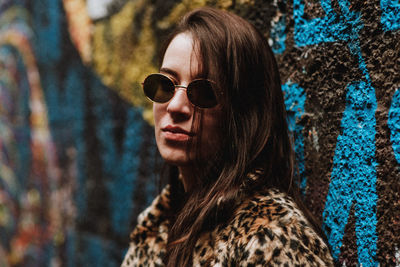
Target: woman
{"x": 220, "y": 125}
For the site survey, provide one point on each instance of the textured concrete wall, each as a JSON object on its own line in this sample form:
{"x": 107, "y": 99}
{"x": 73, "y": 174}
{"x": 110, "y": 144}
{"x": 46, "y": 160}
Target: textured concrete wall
{"x": 77, "y": 154}
{"x": 342, "y": 58}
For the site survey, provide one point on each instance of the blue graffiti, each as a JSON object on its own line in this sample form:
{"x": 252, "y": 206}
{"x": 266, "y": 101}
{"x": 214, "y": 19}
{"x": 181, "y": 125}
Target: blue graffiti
{"x": 390, "y": 18}
{"x": 14, "y": 98}
{"x": 353, "y": 179}
{"x": 72, "y": 99}
{"x": 67, "y": 91}
{"x": 47, "y": 19}
{"x": 394, "y": 124}
{"x": 120, "y": 168}
{"x": 22, "y": 131}
{"x": 15, "y": 138}
{"x": 126, "y": 178}
{"x": 278, "y": 35}
{"x": 92, "y": 252}
{"x": 295, "y": 98}
{"x": 329, "y": 28}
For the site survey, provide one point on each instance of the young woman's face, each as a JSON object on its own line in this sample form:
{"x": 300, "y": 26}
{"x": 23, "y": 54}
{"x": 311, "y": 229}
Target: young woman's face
{"x": 173, "y": 120}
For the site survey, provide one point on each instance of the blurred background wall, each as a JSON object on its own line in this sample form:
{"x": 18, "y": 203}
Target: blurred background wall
{"x": 78, "y": 160}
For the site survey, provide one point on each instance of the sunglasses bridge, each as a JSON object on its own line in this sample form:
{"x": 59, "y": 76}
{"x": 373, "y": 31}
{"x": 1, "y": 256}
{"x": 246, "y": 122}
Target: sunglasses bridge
{"x": 180, "y": 86}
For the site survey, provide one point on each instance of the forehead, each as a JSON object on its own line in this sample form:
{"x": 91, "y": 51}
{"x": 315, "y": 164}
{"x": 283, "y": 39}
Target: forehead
{"x": 180, "y": 57}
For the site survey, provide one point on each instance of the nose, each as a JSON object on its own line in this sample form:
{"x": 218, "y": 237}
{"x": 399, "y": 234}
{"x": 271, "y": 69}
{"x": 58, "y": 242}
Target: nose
{"x": 179, "y": 106}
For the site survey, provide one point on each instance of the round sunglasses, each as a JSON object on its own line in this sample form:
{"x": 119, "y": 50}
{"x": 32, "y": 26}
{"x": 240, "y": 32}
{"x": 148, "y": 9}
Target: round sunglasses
{"x": 160, "y": 88}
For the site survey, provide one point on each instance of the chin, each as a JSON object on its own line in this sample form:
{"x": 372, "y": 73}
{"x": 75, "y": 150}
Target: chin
{"x": 177, "y": 158}
{"x": 179, "y": 162}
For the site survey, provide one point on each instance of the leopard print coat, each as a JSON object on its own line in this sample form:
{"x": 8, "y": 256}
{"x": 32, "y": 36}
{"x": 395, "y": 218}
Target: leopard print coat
{"x": 266, "y": 229}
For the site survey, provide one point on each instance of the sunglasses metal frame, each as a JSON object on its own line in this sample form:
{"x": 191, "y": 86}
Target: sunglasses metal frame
{"x": 178, "y": 86}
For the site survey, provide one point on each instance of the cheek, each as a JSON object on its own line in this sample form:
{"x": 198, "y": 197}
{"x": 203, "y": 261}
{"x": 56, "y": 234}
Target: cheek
{"x": 157, "y": 113}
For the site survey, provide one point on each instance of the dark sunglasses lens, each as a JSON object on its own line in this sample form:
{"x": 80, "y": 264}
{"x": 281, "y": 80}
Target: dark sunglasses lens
{"x": 158, "y": 88}
{"x": 201, "y": 94}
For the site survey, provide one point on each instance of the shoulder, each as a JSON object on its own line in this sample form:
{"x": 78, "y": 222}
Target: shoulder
{"x": 150, "y": 235}
{"x": 157, "y": 210}
{"x": 268, "y": 228}
{"x": 150, "y": 220}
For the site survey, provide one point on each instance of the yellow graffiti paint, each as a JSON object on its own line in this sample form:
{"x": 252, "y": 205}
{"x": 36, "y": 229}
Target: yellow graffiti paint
{"x": 121, "y": 60}
{"x": 123, "y": 54}
{"x": 79, "y": 26}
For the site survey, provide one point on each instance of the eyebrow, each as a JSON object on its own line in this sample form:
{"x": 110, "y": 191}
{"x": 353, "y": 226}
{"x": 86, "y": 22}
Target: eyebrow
{"x": 176, "y": 75}
{"x": 170, "y": 72}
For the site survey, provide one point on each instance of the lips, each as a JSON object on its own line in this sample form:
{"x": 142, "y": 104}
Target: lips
{"x": 175, "y": 133}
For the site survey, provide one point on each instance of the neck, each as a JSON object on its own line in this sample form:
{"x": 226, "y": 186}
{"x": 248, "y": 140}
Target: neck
{"x": 187, "y": 177}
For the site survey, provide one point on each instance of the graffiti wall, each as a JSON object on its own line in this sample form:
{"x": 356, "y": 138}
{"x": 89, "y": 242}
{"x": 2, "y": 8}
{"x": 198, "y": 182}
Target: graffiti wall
{"x": 75, "y": 157}
{"x": 78, "y": 160}
{"x": 340, "y": 66}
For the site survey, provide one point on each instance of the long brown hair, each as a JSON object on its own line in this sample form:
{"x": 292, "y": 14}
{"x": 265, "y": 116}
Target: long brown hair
{"x": 237, "y": 57}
